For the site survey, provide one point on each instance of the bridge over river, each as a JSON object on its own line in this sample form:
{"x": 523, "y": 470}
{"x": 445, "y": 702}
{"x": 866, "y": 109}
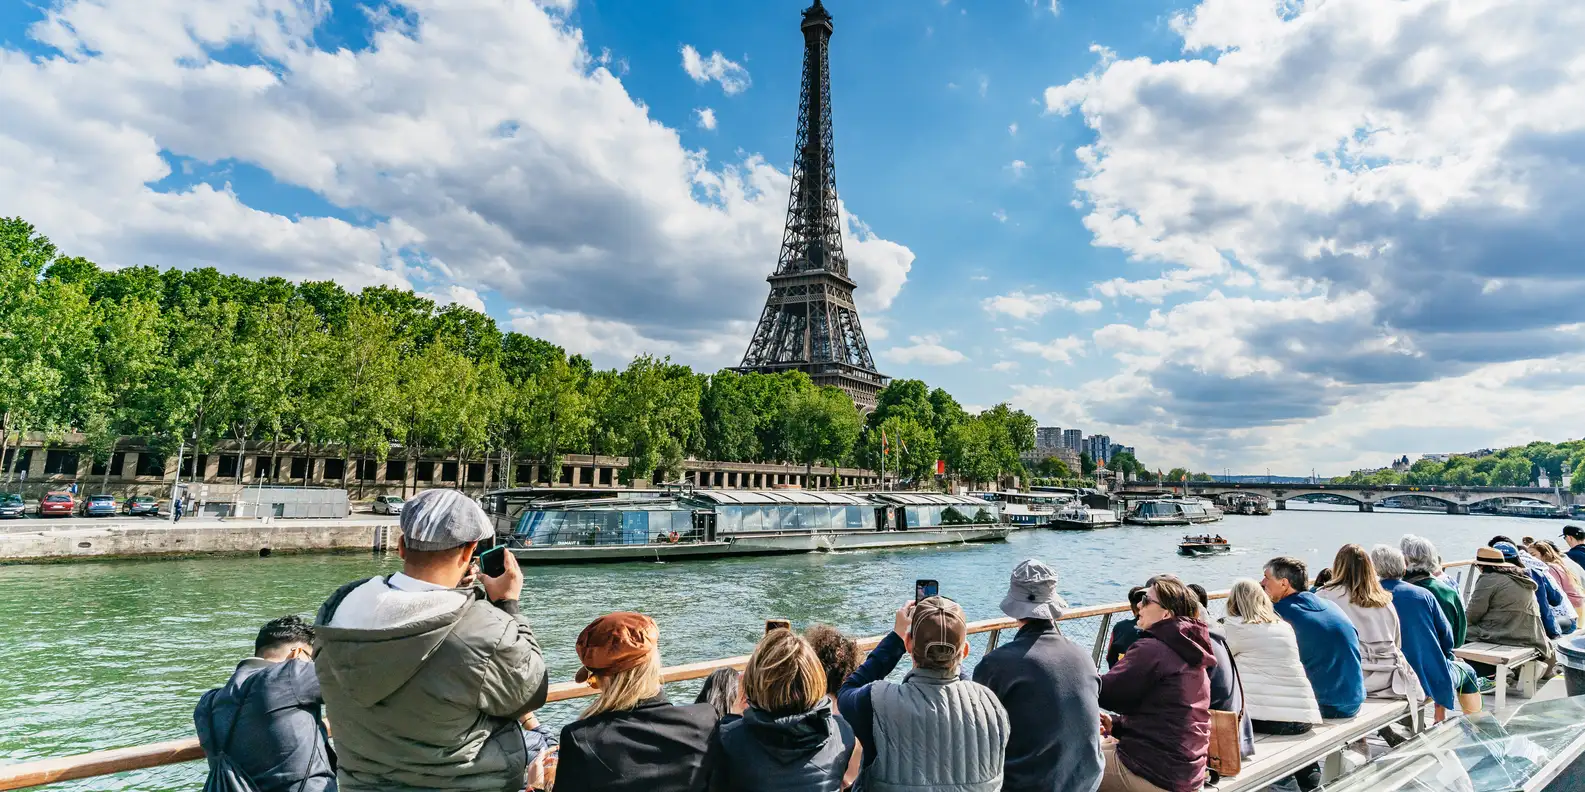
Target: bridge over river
{"x": 1457, "y": 499}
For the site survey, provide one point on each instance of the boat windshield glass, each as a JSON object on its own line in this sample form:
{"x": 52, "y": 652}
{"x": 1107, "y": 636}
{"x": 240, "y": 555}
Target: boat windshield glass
{"x": 803, "y": 517}
{"x": 603, "y": 526}
{"x": 955, "y": 514}
{"x": 1478, "y": 754}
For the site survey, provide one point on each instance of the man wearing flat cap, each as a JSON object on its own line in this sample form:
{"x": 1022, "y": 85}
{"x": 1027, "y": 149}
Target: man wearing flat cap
{"x": 935, "y": 730}
{"x": 424, "y": 672}
{"x": 1050, "y": 688}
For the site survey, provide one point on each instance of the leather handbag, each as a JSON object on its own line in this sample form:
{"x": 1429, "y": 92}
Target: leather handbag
{"x": 1225, "y": 756}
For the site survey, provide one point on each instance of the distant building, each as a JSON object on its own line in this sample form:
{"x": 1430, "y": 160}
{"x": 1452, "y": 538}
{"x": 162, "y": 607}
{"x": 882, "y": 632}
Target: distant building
{"x": 1073, "y": 440}
{"x": 1401, "y": 464}
{"x": 1099, "y": 447}
{"x": 1122, "y": 449}
{"x": 1040, "y": 454}
{"x": 1048, "y": 437}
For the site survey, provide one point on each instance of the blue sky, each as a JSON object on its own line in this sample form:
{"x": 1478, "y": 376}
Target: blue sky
{"x": 1232, "y": 233}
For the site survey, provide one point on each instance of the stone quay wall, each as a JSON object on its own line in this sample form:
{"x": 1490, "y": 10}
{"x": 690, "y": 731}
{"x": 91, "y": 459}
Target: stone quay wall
{"x": 25, "y": 541}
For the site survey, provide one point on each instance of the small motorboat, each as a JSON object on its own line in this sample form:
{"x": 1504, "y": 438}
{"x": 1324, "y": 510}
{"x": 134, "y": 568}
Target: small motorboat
{"x": 1193, "y": 546}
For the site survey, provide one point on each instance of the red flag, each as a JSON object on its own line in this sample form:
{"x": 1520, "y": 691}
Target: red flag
{"x": 884, "y": 449}
{"x": 941, "y": 467}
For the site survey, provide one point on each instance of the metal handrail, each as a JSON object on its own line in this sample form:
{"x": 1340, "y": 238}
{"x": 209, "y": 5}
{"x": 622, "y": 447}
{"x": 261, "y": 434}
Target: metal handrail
{"x": 40, "y": 772}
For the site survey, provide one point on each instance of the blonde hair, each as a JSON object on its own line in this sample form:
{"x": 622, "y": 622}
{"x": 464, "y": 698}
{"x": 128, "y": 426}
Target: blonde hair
{"x": 623, "y": 690}
{"x": 1353, "y": 572}
{"x": 784, "y": 676}
{"x": 1546, "y": 553}
{"x": 1248, "y": 601}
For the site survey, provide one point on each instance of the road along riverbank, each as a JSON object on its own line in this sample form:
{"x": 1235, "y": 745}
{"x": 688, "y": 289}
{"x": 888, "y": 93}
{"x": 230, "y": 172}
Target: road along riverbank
{"x": 37, "y": 541}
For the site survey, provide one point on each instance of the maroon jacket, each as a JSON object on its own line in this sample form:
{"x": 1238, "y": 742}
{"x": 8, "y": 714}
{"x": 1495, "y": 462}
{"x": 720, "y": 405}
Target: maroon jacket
{"x": 1161, "y": 695}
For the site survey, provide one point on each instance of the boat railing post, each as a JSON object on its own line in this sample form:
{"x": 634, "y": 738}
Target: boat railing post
{"x": 996, "y": 638}
{"x": 1100, "y": 639}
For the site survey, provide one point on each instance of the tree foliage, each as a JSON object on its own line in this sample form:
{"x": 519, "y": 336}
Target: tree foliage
{"x": 195, "y": 357}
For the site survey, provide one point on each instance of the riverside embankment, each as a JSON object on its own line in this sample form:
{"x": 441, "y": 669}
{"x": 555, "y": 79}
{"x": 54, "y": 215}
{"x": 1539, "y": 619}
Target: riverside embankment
{"x": 46, "y": 540}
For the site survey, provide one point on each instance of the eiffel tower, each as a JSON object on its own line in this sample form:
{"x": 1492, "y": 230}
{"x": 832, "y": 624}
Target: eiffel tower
{"x": 810, "y": 323}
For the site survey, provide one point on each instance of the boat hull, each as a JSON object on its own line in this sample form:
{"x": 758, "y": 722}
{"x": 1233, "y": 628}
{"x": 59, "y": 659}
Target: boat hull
{"x": 1195, "y": 551}
{"x": 759, "y": 544}
{"x": 1151, "y": 522}
{"x": 1079, "y": 525}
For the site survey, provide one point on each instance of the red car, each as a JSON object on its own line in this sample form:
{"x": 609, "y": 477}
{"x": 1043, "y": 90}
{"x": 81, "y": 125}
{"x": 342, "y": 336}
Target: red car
{"x": 57, "y": 504}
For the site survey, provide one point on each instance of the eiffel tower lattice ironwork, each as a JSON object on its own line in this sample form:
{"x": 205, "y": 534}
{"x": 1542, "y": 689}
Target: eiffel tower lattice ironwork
{"x": 810, "y": 322}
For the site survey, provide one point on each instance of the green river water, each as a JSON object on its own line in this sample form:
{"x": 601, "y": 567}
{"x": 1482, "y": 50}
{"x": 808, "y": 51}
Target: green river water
{"x": 115, "y": 654}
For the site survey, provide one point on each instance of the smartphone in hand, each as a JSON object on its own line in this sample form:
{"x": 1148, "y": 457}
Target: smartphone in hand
{"x": 924, "y": 589}
{"x": 777, "y": 624}
{"x": 492, "y": 562}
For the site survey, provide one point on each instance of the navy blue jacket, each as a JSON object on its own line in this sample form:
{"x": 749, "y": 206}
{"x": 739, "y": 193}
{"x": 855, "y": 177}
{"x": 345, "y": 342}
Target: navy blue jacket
{"x": 1051, "y": 691}
{"x": 1577, "y": 552}
{"x": 271, "y": 712}
{"x": 853, "y": 699}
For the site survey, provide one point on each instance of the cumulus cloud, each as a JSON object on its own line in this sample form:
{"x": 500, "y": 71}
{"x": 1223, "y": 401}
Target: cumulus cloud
{"x": 1022, "y": 305}
{"x": 1018, "y": 167}
{"x": 926, "y": 349}
{"x": 1393, "y": 185}
{"x": 1012, "y": 129}
{"x": 705, "y": 117}
{"x": 1005, "y": 366}
{"x": 734, "y": 79}
{"x": 1057, "y": 350}
{"x": 480, "y": 148}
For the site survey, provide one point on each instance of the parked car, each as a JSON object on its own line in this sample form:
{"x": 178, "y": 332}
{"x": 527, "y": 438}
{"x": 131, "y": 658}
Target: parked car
{"x": 139, "y": 505}
{"x": 387, "y": 504}
{"x": 11, "y": 506}
{"x": 57, "y": 504}
{"x": 99, "y": 506}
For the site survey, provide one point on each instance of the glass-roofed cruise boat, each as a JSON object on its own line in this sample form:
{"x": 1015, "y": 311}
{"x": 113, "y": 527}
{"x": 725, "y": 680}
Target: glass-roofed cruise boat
{"x": 673, "y": 524}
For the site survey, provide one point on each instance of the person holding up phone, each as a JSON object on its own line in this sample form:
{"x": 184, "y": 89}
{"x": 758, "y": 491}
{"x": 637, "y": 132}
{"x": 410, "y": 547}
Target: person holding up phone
{"x": 962, "y": 729}
{"x": 424, "y": 672}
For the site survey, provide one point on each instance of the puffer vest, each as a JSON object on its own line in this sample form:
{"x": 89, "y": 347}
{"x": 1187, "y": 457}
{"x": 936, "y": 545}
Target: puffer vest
{"x": 751, "y": 764}
{"x": 936, "y": 733}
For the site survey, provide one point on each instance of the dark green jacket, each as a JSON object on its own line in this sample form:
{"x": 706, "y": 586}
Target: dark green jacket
{"x": 1452, "y": 604}
{"x": 431, "y": 703}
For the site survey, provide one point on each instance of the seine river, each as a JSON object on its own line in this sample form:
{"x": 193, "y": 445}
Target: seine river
{"x": 114, "y": 654}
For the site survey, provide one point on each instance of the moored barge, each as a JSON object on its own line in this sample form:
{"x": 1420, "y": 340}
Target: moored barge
{"x": 689, "y": 524}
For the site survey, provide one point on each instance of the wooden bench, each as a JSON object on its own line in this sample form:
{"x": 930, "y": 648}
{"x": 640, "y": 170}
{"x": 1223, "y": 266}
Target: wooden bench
{"x": 1504, "y": 657}
{"x": 1277, "y": 757}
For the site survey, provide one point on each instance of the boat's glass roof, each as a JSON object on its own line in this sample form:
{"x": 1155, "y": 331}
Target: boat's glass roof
{"x": 926, "y": 499}
{"x": 1478, "y": 754}
{"x": 757, "y": 497}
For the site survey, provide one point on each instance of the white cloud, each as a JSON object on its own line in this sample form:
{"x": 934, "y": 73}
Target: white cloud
{"x": 1054, "y": 6}
{"x": 1057, "y": 350}
{"x": 926, "y": 349}
{"x": 1022, "y": 305}
{"x": 1012, "y": 129}
{"x": 734, "y": 79}
{"x": 1005, "y": 366}
{"x": 613, "y": 343}
{"x": 493, "y": 151}
{"x": 1335, "y": 188}
{"x": 1000, "y": 215}
{"x": 1018, "y": 167}
{"x": 705, "y": 117}
{"x": 984, "y": 82}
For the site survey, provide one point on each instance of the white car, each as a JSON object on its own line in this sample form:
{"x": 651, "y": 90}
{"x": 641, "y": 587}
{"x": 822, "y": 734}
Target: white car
{"x": 387, "y": 504}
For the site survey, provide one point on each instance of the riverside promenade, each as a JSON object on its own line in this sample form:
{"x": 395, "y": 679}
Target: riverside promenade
{"x": 45, "y": 540}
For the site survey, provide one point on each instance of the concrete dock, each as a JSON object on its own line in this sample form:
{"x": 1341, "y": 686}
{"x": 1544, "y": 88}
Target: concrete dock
{"x": 41, "y": 540}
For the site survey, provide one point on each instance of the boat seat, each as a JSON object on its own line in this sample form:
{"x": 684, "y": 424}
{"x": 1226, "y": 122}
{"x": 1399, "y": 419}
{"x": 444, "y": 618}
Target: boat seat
{"x": 1277, "y": 757}
{"x": 1504, "y": 658}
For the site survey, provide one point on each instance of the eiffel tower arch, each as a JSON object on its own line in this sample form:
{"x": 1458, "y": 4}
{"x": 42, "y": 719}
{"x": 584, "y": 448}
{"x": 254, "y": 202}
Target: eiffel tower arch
{"x": 810, "y": 322}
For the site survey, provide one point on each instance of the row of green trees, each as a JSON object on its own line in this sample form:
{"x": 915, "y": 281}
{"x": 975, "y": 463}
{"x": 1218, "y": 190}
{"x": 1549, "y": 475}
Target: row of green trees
{"x": 200, "y": 356}
{"x": 1516, "y": 466}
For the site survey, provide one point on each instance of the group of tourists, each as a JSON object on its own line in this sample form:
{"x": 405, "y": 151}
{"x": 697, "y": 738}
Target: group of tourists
{"x": 429, "y": 678}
